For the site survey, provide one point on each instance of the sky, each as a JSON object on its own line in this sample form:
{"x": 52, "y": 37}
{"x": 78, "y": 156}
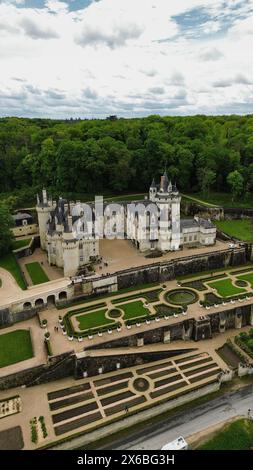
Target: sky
{"x": 132, "y": 58}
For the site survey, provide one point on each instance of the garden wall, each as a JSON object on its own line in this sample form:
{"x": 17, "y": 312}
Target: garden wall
{"x": 193, "y": 208}
{"x": 57, "y": 368}
{"x": 168, "y": 270}
{"x": 92, "y": 364}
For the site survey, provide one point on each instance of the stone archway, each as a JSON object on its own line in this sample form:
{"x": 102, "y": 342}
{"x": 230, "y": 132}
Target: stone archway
{"x": 27, "y": 305}
{"x": 51, "y": 300}
{"x": 39, "y": 303}
{"x": 63, "y": 295}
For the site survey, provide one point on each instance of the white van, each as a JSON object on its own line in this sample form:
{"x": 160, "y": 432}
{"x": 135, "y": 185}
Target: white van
{"x": 178, "y": 444}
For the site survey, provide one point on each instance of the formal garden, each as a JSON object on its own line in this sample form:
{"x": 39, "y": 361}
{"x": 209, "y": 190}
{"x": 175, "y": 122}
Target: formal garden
{"x": 15, "y": 346}
{"x": 158, "y": 303}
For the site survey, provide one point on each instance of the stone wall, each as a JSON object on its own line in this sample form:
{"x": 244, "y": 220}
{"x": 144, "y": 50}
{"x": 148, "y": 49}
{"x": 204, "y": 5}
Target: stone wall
{"x": 193, "y": 208}
{"x": 95, "y": 364}
{"x": 168, "y": 270}
{"x": 28, "y": 250}
{"x": 7, "y": 317}
{"x": 191, "y": 328}
{"x": 57, "y": 368}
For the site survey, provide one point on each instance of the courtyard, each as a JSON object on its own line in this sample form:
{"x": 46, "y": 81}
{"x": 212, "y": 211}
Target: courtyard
{"x": 36, "y": 269}
{"x": 122, "y": 254}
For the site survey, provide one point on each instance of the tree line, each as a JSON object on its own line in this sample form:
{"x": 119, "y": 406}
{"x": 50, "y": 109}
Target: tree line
{"x": 78, "y": 157}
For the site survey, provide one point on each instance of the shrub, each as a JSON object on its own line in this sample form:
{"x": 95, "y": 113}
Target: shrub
{"x": 34, "y": 432}
{"x": 43, "y": 426}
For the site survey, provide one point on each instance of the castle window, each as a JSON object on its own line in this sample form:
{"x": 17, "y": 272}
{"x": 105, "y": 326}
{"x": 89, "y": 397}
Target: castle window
{"x": 190, "y": 238}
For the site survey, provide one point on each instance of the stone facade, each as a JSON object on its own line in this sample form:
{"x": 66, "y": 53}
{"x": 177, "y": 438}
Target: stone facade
{"x": 70, "y": 232}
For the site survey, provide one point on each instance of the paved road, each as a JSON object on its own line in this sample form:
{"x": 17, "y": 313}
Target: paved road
{"x": 189, "y": 422}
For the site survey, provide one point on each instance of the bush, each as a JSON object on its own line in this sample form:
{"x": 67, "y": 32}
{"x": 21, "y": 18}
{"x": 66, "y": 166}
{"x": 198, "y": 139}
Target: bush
{"x": 43, "y": 426}
{"x": 48, "y": 348}
{"x": 34, "y": 432}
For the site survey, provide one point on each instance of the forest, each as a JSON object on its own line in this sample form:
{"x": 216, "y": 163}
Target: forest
{"x": 76, "y": 158}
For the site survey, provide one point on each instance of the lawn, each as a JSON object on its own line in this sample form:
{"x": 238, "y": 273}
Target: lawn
{"x": 241, "y": 229}
{"x": 234, "y": 436}
{"x": 16, "y": 244}
{"x": 134, "y": 310}
{"x": 15, "y": 347}
{"x": 93, "y": 320}
{"x": 9, "y": 263}
{"x": 246, "y": 277}
{"x": 222, "y": 199}
{"x": 225, "y": 288}
{"x": 36, "y": 273}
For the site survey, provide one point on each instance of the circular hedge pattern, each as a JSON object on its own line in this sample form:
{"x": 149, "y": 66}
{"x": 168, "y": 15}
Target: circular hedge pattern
{"x": 241, "y": 283}
{"x": 114, "y": 313}
{"x": 181, "y": 297}
{"x": 141, "y": 385}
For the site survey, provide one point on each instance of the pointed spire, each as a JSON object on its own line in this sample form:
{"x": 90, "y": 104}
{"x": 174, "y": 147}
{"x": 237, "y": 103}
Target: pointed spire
{"x": 153, "y": 185}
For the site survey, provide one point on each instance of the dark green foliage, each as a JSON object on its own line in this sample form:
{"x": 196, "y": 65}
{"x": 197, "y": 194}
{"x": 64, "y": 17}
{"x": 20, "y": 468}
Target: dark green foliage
{"x": 201, "y": 153}
{"x": 5, "y": 233}
{"x": 234, "y": 436}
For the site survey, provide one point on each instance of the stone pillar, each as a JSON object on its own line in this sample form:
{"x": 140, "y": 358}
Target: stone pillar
{"x": 183, "y": 333}
{"x": 238, "y": 318}
{"x": 251, "y": 315}
{"x": 166, "y": 338}
{"x": 140, "y": 342}
{"x": 222, "y": 323}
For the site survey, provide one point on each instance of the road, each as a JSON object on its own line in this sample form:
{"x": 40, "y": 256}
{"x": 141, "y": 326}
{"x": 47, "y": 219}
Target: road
{"x": 189, "y": 422}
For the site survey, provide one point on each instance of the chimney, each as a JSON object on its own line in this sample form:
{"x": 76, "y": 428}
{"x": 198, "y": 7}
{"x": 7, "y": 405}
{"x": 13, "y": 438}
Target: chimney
{"x": 44, "y": 195}
{"x": 162, "y": 182}
{"x": 70, "y": 224}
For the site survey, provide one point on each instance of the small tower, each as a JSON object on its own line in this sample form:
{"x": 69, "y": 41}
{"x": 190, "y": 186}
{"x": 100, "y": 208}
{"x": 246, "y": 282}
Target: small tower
{"x": 44, "y": 207}
{"x": 164, "y": 183}
{"x": 152, "y": 191}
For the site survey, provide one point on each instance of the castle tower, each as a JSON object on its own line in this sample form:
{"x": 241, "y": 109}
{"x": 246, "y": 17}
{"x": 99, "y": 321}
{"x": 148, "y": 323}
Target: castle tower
{"x": 70, "y": 251}
{"x": 44, "y": 207}
{"x": 152, "y": 191}
{"x": 175, "y": 219}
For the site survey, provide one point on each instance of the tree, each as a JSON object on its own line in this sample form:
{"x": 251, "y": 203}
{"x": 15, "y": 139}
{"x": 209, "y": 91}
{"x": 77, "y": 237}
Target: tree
{"x": 235, "y": 181}
{"x": 207, "y": 178}
{"x": 5, "y": 233}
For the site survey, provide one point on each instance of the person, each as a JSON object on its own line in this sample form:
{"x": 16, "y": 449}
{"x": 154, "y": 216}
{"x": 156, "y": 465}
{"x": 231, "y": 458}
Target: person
{"x": 249, "y": 410}
{"x": 126, "y": 409}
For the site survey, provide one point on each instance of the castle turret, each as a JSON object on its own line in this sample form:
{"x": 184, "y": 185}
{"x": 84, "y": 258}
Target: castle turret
{"x": 152, "y": 191}
{"x": 164, "y": 182}
{"x": 44, "y": 207}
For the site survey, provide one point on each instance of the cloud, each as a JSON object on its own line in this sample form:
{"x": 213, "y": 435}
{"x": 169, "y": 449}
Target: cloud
{"x": 118, "y": 36}
{"x": 63, "y": 59}
{"x": 210, "y": 54}
{"x": 242, "y": 79}
{"x": 177, "y": 79}
{"x": 35, "y": 31}
{"x": 90, "y": 94}
{"x": 238, "y": 79}
{"x": 222, "y": 83}
{"x": 157, "y": 90}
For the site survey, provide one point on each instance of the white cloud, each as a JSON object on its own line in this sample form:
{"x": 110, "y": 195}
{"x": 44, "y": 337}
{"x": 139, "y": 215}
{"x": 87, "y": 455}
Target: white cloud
{"x": 124, "y": 56}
